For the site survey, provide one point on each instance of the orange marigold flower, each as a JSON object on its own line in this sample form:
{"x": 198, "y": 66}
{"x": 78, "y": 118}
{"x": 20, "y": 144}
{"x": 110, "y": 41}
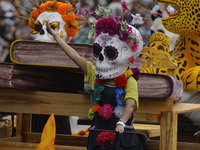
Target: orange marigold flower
{"x": 72, "y": 32}
{"x": 69, "y": 6}
{"x": 86, "y": 134}
{"x": 42, "y": 8}
{"x": 48, "y": 3}
{"x": 81, "y": 132}
{"x": 69, "y": 17}
{"x": 61, "y": 7}
{"x": 31, "y": 22}
{"x": 35, "y": 14}
{"x": 95, "y": 107}
{"x": 52, "y": 7}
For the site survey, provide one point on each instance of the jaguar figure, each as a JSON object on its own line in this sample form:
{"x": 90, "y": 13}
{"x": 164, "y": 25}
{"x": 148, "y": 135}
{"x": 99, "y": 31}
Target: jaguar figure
{"x": 186, "y": 53}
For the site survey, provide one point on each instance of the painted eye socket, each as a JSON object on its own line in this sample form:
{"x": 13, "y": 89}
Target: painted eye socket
{"x": 96, "y": 50}
{"x": 111, "y": 53}
{"x": 37, "y": 28}
{"x": 161, "y": 30}
{"x": 54, "y": 25}
{"x": 152, "y": 31}
{"x": 160, "y": 47}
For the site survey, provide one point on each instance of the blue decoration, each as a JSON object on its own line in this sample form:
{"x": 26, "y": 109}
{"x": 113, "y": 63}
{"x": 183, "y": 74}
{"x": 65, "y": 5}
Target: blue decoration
{"x": 120, "y": 95}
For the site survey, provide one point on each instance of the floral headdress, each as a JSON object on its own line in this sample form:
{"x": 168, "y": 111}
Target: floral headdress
{"x": 65, "y": 10}
{"x": 106, "y": 22}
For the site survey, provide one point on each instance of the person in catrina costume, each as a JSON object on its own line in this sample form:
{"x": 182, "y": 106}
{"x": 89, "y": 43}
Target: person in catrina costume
{"x": 113, "y": 89}
{"x": 61, "y": 16}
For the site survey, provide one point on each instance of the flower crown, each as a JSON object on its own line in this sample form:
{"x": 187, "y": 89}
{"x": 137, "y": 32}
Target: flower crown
{"x": 65, "y": 10}
{"x": 106, "y": 22}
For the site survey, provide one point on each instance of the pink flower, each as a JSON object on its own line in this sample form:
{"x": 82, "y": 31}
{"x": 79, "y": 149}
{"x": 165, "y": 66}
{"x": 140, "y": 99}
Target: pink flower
{"x": 134, "y": 47}
{"x": 84, "y": 12}
{"x": 106, "y": 112}
{"x": 80, "y": 12}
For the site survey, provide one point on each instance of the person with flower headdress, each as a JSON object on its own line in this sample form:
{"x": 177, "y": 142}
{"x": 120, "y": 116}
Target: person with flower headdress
{"x": 113, "y": 85}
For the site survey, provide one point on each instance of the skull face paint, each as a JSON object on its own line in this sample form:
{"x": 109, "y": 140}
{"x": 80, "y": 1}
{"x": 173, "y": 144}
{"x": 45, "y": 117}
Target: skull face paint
{"x": 40, "y": 31}
{"x": 111, "y": 56}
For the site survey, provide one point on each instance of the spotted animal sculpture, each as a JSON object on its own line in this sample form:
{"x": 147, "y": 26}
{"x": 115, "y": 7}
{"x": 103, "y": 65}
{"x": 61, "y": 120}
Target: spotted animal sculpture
{"x": 186, "y": 53}
{"x": 162, "y": 40}
{"x": 161, "y": 43}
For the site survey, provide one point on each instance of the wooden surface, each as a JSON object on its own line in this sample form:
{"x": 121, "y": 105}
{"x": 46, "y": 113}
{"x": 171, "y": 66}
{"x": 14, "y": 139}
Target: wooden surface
{"x": 149, "y": 129}
{"x": 36, "y": 102}
{"x": 29, "y": 102}
{"x": 32, "y": 146}
{"x": 185, "y": 107}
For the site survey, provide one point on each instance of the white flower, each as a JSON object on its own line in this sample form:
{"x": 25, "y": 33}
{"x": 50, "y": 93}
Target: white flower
{"x": 119, "y": 111}
{"x": 137, "y": 19}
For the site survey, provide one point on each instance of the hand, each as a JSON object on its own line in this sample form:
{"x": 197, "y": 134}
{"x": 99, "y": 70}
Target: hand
{"x": 119, "y": 128}
{"x": 53, "y": 32}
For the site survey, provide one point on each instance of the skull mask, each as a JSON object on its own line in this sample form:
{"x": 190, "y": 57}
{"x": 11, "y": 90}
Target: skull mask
{"x": 60, "y": 16}
{"x": 112, "y": 55}
{"x": 40, "y": 32}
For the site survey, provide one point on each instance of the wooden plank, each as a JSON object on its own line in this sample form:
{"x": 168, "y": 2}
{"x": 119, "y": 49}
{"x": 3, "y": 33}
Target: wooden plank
{"x": 61, "y": 139}
{"x": 168, "y": 131}
{"x": 140, "y": 116}
{"x": 26, "y": 122}
{"x": 36, "y": 102}
{"x": 185, "y": 107}
{"x": 154, "y": 145}
{"x": 149, "y": 129}
{"x": 153, "y": 108}
{"x": 32, "y": 146}
{"x": 14, "y": 139}
{"x": 19, "y": 124}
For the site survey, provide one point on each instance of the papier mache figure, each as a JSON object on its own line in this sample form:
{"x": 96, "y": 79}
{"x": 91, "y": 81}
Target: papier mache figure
{"x": 157, "y": 25}
{"x": 113, "y": 85}
{"x": 61, "y": 16}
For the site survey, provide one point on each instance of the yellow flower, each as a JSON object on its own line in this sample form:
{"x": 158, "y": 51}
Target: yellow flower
{"x": 74, "y": 23}
{"x": 128, "y": 73}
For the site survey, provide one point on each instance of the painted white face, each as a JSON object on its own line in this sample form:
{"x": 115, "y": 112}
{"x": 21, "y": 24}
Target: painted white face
{"x": 111, "y": 56}
{"x": 55, "y": 21}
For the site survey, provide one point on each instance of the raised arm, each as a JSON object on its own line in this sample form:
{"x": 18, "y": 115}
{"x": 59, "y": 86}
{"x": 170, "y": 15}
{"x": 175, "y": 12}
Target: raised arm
{"x": 81, "y": 62}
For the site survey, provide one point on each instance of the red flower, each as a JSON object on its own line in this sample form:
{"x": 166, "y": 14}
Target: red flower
{"x": 121, "y": 81}
{"x": 99, "y": 81}
{"x": 124, "y": 7}
{"x": 131, "y": 59}
{"x": 107, "y": 136}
